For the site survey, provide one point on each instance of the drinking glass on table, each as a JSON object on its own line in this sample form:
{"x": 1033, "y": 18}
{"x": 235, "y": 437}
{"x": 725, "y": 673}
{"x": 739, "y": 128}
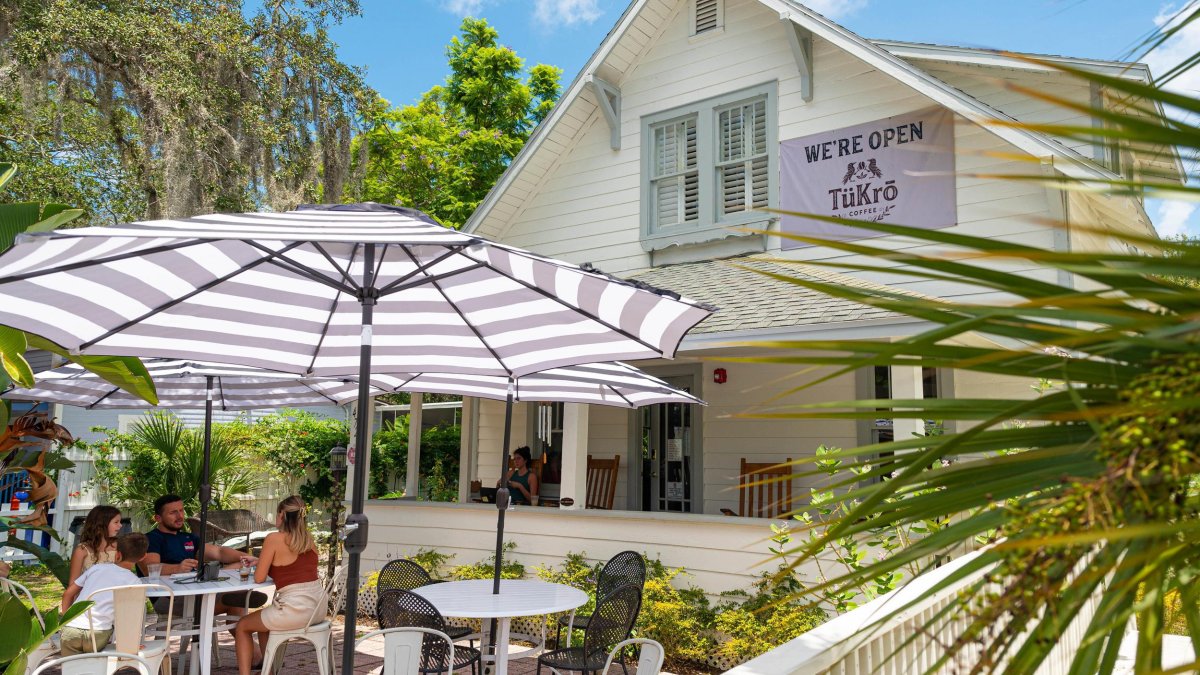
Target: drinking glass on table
{"x": 244, "y": 572}
{"x": 154, "y": 571}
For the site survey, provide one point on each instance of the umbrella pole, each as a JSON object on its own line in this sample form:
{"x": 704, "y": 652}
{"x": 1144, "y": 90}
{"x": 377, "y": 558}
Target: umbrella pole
{"x": 355, "y": 530}
{"x": 205, "y": 486}
{"x": 502, "y": 495}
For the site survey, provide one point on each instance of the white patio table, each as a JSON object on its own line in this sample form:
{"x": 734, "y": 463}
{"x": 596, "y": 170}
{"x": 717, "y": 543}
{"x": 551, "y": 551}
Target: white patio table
{"x": 207, "y": 591}
{"x": 474, "y": 600}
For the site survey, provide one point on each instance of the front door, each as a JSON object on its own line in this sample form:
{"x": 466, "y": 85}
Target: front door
{"x": 669, "y": 457}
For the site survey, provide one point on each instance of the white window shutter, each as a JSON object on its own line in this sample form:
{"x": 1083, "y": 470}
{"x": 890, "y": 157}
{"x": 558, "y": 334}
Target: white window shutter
{"x": 675, "y": 183}
{"x": 742, "y": 162}
{"x": 706, "y": 15}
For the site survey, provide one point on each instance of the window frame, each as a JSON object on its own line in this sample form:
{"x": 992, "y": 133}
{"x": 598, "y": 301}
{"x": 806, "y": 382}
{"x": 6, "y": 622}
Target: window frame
{"x": 708, "y": 226}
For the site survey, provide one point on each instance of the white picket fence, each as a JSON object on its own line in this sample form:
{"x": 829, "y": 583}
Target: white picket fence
{"x": 876, "y": 639}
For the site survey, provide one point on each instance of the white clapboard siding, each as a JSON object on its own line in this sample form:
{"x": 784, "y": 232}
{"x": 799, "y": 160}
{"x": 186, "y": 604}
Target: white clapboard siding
{"x": 587, "y": 209}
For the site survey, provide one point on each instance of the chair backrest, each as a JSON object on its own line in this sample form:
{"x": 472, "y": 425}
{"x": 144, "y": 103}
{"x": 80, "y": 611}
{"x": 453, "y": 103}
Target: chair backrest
{"x": 612, "y": 621}
{"x": 602, "y": 482}
{"x": 85, "y": 664}
{"x": 399, "y": 609}
{"x": 333, "y": 587}
{"x": 402, "y": 575}
{"x": 627, "y": 568}
{"x": 765, "y": 489}
{"x": 129, "y": 615}
{"x": 403, "y": 647}
{"x": 10, "y": 586}
{"x": 650, "y": 656}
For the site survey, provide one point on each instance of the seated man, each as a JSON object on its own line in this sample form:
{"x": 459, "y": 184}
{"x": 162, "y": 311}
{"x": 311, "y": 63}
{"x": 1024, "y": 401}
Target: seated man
{"x": 176, "y": 551}
{"x": 76, "y": 636}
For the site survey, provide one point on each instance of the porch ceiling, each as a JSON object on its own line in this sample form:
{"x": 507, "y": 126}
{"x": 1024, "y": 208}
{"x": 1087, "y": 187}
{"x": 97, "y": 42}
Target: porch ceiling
{"x": 748, "y": 300}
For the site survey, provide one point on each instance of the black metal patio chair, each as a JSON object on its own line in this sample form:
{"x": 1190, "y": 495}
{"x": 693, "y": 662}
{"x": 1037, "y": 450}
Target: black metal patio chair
{"x": 624, "y": 568}
{"x": 397, "y": 608}
{"x": 610, "y": 624}
{"x": 406, "y": 575}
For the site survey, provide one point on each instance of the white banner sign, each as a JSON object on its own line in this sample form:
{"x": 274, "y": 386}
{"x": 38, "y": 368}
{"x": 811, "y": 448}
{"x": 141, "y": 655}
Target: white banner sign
{"x": 897, "y": 170}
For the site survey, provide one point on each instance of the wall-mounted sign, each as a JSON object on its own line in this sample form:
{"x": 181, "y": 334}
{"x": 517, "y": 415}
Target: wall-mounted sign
{"x": 898, "y": 170}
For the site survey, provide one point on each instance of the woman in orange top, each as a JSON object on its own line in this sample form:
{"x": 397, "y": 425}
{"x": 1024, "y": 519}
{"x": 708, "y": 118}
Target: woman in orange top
{"x": 289, "y": 557}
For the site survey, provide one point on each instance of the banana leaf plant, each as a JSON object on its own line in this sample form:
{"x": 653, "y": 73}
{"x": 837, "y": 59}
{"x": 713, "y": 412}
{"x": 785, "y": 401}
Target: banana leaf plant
{"x": 23, "y": 631}
{"x": 1089, "y": 492}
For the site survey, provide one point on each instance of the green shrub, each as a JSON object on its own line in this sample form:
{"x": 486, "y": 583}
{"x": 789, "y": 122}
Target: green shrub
{"x": 485, "y": 569}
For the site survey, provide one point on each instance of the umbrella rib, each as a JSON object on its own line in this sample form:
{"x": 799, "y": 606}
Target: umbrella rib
{"x": 614, "y": 390}
{"x": 100, "y": 261}
{"x": 324, "y": 331}
{"x": 319, "y": 392}
{"x": 420, "y": 268}
{"x": 97, "y": 402}
{"x": 345, "y": 273}
{"x": 221, "y": 388}
{"x": 182, "y": 298}
{"x": 431, "y": 279}
{"x": 278, "y": 260}
{"x": 434, "y": 282}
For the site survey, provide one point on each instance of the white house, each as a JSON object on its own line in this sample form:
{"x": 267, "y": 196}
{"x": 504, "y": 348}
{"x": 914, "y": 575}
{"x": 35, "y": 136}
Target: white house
{"x": 691, "y": 118}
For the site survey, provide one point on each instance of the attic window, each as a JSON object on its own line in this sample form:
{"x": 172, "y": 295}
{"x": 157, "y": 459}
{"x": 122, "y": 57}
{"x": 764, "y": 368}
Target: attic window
{"x": 707, "y": 15}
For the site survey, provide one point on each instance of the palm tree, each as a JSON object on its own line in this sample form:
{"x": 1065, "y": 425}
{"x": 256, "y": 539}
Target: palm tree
{"x": 1089, "y": 490}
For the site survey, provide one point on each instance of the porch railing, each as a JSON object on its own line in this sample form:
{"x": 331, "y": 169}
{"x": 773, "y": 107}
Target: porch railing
{"x": 879, "y": 640}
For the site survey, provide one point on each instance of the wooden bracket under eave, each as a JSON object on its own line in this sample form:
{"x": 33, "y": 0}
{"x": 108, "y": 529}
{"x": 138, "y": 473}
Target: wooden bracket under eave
{"x": 608, "y": 97}
{"x": 801, "y": 41}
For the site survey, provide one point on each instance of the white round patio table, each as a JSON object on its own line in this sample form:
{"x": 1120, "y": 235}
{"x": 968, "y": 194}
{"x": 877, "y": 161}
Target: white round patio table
{"x": 207, "y": 591}
{"x": 518, "y": 597}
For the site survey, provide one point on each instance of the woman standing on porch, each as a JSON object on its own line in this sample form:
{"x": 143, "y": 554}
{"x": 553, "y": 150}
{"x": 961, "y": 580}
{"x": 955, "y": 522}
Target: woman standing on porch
{"x": 521, "y": 480}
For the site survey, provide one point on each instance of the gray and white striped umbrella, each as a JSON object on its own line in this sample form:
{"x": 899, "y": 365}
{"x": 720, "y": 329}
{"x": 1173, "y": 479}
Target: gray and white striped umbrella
{"x": 185, "y": 384}
{"x": 612, "y": 384}
{"x": 342, "y": 290}
{"x": 284, "y": 292}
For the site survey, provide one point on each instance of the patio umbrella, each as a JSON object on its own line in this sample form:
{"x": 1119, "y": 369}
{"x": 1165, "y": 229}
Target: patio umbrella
{"x": 335, "y": 290}
{"x": 612, "y": 384}
{"x": 191, "y": 385}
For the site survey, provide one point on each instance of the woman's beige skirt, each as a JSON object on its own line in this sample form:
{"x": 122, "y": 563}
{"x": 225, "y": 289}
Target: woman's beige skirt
{"x": 293, "y": 607}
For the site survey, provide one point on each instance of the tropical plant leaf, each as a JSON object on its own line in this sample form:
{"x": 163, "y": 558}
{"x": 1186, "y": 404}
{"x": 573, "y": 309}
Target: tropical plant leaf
{"x": 53, "y": 561}
{"x": 17, "y": 621}
{"x": 12, "y": 356}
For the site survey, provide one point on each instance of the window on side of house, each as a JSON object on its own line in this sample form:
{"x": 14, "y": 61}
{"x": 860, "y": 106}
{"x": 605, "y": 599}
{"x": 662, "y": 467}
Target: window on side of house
{"x": 707, "y": 15}
{"x": 708, "y": 166}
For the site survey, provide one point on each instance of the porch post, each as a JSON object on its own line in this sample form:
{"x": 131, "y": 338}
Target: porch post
{"x": 412, "y": 474}
{"x": 574, "y": 455}
{"x": 907, "y": 383}
{"x": 467, "y": 448}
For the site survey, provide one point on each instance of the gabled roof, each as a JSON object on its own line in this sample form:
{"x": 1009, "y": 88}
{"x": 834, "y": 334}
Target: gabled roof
{"x": 1064, "y": 159}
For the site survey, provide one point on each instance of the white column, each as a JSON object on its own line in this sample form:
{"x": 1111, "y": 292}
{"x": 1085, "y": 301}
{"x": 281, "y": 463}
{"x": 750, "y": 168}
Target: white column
{"x": 412, "y": 474}
{"x": 359, "y": 455}
{"x": 574, "y": 457}
{"x": 907, "y": 383}
{"x": 466, "y": 448}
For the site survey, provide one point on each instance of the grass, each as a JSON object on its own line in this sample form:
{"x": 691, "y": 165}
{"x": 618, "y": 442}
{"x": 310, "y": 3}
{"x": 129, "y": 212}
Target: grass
{"x": 47, "y": 591}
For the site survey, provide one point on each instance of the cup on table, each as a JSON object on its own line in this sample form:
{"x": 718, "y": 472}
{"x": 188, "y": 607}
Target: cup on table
{"x": 244, "y": 572}
{"x": 154, "y": 571}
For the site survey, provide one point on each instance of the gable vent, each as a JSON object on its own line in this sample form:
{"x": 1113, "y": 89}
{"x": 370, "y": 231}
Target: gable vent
{"x": 707, "y": 15}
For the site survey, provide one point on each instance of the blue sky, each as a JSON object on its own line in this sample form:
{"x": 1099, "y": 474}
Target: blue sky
{"x": 401, "y": 43}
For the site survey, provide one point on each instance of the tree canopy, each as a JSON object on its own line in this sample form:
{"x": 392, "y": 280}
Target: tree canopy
{"x": 443, "y": 153}
{"x": 167, "y": 108}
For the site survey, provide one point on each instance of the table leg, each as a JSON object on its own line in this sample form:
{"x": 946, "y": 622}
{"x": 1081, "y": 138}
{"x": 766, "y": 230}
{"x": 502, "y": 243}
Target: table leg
{"x": 502, "y": 646}
{"x": 208, "y": 605}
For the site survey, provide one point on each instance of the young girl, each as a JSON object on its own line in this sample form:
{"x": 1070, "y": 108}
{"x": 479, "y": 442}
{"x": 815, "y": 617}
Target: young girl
{"x": 97, "y": 540}
{"x": 289, "y": 557}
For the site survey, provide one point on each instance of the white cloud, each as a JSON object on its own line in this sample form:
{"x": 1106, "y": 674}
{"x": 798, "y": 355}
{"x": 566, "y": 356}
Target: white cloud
{"x": 835, "y": 9}
{"x": 463, "y": 7}
{"x": 556, "y": 13}
{"x": 1182, "y": 45}
{"x": 1175, "y": 217}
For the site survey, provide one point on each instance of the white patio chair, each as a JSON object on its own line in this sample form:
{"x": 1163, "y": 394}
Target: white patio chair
{"x": 403, "y": 646}
{"x": 650, "y": 656}
{"x": 47, "y": 647}
{"x": 88, "y": 664}
{"x": 320, "y": 635}
{"x": 129, "y": 627}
